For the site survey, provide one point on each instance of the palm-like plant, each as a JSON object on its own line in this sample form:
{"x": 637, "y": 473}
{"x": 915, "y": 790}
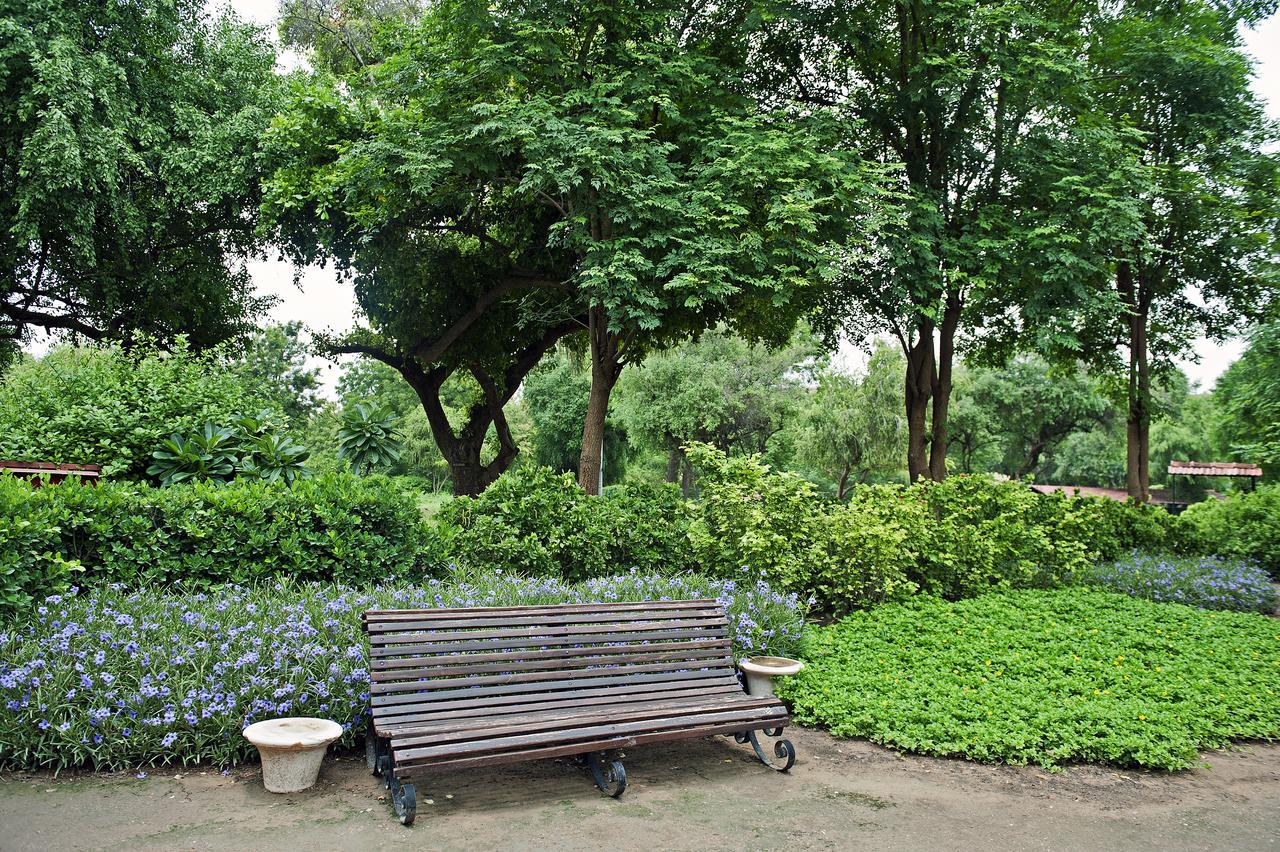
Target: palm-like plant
{"x": 272, "y": 457}
{"x": 211, "y": 453}
{"x": 368, "y": 438}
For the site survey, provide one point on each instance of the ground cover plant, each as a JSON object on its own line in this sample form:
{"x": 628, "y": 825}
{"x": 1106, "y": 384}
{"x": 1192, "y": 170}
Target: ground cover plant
{"x": 1209, "y": 582}
{"x": 115, "y": 679}
{"x": 1045, "y": 677}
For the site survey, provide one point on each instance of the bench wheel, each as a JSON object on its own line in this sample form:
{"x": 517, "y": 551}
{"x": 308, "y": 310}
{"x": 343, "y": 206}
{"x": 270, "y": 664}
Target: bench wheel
{"x": 784, "y": 752}
{"x": 610, "y": 775}
{"x": 405, "y": 799}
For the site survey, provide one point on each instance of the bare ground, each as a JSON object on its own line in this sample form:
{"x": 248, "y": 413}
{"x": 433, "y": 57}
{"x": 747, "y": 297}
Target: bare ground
{"x": 709, "y": 794}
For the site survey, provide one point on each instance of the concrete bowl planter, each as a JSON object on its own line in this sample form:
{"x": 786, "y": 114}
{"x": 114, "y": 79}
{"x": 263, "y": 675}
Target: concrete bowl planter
{"x": 292, "y": 750}
{"x": 760, "y": 672}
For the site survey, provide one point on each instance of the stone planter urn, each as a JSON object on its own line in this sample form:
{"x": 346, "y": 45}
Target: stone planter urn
{"x": 292, "y": 750}
{"x": 760, "y": 672}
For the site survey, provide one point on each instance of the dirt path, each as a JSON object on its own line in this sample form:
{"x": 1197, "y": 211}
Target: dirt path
{"x": 710, "y": 794}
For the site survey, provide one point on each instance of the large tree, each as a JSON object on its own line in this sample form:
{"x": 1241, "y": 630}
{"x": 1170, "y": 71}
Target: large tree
{"x": 505, "y": 176}
{"x": 1172, "y": 81}
{"x": 959, "y": 92}
{"x": 128, "y": 182}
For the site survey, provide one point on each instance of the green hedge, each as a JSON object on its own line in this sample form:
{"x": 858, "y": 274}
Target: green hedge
{"x": 1244, "y": 526}
{"x": 956, "y": 539}
{"x": 334, "y": 528}
{"x": 537, "y": 522}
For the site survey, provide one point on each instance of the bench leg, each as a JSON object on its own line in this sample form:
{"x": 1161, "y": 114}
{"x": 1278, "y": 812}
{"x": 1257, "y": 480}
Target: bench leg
{"x": 404, "y": 798}
{"x": 783, "y": 751}
{"x": 610, "y": 775}
{"x": 375, "y": 747}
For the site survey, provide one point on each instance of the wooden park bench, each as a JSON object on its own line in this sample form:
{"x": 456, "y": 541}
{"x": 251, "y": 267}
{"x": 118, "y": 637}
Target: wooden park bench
{"x": 491, "y": 685}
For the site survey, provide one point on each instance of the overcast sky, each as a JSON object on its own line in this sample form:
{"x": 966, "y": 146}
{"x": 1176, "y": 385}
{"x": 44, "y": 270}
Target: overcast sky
{"x": 323, "y": 302}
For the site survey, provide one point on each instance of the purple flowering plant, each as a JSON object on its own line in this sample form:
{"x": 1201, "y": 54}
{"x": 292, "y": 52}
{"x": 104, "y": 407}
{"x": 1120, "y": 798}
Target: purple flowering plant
{"x": 113, "y": 678}
{"x": 1209, "y": 582}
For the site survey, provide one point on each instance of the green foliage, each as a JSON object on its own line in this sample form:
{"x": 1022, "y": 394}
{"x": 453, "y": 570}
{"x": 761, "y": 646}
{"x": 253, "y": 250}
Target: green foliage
{"x": 854, "y": 425}
{"x": 537, "y": 522}
{"x": 1045, "y": 677}
{"x": 1248, "y": 395}
{"x": 958, "y": 538}
{"x": 130, "y": 186}
{"x": 332, "y": 527}
{"x": 369, "y": 438}
{"x": 752, "y": 518}
{"x": 211, "y": 453}
{"x": 274, "y": 359}
{"x": 1243, "y": 525}
{"x": 110, "y": 407}
{"x": 555, "y": 395}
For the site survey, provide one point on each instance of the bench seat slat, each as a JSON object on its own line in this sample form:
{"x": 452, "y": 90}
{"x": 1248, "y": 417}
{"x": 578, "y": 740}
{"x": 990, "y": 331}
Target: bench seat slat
{"x": 486, "y": 727}
{"x": 394, "y": 718}
{"x": 576, "y": 733}
{"x": 386, "y": 639}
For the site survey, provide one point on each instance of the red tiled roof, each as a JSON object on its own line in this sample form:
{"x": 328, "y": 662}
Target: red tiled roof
{"x": 1192, "y": 468}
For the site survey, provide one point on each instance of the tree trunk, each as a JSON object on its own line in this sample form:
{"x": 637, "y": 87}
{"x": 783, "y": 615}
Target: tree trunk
{"x": 673, "y": 463}
{"x": 919, "y": 388}
{"x": 606, "y": 367}
{"x": 686, "y": 478}
{"x": 942, "y": 387}
{"x": 843, "y": 484}
{"x": 1138, "y": 420}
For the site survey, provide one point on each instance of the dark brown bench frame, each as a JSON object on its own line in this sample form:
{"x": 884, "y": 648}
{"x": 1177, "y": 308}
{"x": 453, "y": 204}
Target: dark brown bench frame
{"x": 491, "y": 685}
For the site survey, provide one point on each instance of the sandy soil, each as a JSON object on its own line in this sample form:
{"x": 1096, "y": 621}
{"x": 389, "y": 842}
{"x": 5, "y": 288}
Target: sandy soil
{"x": 709, "y": 794}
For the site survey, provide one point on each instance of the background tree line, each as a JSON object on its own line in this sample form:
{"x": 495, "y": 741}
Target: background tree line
{"x": 677, "y": 209}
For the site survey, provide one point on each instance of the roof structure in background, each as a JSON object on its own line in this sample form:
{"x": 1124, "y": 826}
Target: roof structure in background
{"x": 1158, "y": 495}
{"x": 1193, "y": 468}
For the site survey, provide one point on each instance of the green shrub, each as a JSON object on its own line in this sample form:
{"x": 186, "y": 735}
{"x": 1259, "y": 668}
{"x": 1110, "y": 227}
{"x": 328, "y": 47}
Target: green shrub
{"x": 335, "y": 527}
{"x": 754, "y": 518}
{"x": 1244, "y": 526}
{"x": 115, "y": 679}
{"x": 105, "y": 406}
{"x": 534, "y": 521}
{"x": 1044, "y": 677}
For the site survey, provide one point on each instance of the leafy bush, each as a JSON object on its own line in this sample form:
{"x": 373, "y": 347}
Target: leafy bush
{"x": 105, "y": 406}
{"x": 537, "y": 522}
{"x": 1209, "y": 582}
{"x": 1044, "y": 677}
{"x": 1243, "y": 526}
{"x": 117, "y": 680}
{"x": 754, "y": 517}
{"x": 957, "y": 538}
{"x": 334, "y": 527}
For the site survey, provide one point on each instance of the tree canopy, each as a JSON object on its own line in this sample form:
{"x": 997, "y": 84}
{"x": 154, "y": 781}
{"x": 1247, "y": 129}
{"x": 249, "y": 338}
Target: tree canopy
{"x": 129, "y": 185}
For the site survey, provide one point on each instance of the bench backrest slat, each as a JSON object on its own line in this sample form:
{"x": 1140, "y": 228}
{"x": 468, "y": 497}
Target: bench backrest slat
{"x": 434, "y": 661}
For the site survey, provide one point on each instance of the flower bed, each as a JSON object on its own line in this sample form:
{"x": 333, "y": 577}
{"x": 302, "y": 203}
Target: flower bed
{"x": 115, "y": 679}
{"x": 1045, "y": 677}
{"x": 1209, "y": 582}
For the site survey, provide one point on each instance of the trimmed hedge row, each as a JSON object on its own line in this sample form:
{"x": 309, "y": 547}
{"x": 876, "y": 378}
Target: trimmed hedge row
{"x": 336, "y": 527}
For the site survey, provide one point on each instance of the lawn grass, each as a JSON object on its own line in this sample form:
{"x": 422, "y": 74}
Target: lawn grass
{"x": 1045, "y": 677}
